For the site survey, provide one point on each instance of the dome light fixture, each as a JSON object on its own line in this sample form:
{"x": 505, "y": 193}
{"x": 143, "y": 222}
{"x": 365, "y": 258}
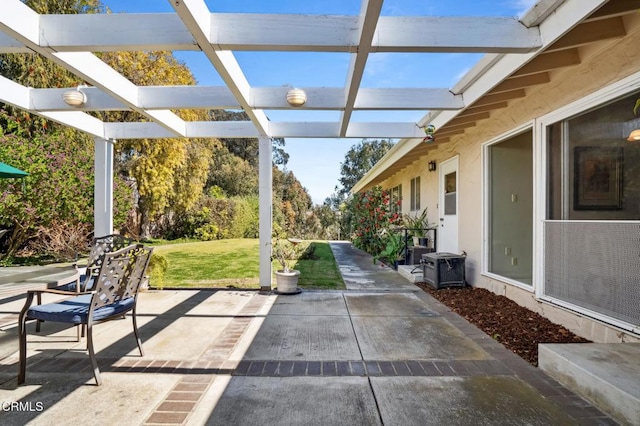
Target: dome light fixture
{"x": 634, "y": 136}
{"x": 296, "y": 97}
{"x": 75, "y": 98}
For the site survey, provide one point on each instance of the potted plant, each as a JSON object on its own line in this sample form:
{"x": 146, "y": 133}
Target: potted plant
{"x": 286, "y": 252}
{"x": 418, "y": 226}
{"x": 393, "y": 250}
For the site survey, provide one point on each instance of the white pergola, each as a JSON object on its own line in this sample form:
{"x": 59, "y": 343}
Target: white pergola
{"x": 510, "y": 45}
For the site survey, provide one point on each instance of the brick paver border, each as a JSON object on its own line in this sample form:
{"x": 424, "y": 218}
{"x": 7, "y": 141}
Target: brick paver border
{"x": 197, "y": 376}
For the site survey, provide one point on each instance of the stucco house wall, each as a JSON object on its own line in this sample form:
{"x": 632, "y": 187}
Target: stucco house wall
{"x": 600, "y": 67}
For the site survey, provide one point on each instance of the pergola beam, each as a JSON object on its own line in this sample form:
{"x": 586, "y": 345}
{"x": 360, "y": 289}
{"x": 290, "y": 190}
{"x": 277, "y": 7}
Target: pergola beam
{"x": 14, "y": 94}
{"x": 21, "y": 97}
{"x": 273, "y": 32}
{"x": 407, "y": 99}
{"x": 455, "y": 34}
{"x": 194, "y": 129}
{"x": 245, "y": 129}
{"x": 220, "y": 97}
{"x": 115, "y": 32}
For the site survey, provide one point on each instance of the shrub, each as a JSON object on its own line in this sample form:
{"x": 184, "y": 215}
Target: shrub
{"x": 286, "y": 252}
{"x": 59, "y": 188}
{"x": 371, "y": 212}
{"x": 63, "y": 240}
{"x": 157, "y": 268}
{"x": 245, "y": 217}
{"x": 209, "y": 232}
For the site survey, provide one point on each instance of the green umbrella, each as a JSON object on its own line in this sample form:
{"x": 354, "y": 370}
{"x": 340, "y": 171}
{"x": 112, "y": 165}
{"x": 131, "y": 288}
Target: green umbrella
{"x": 6, "y": 171}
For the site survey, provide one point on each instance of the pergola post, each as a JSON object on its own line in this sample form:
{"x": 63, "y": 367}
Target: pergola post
{"x": 265, "y": 188}
{"x": 103, "y": 187}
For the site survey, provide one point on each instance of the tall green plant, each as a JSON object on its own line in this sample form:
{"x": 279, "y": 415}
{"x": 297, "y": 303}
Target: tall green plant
{"x": 417, "y": 224}
{"x": 392, "y": 247}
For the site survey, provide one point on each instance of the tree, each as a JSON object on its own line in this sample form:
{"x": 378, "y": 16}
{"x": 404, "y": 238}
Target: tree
{"x": 170, "y": 173}
{"x": 247, "y": 148}
{"x": 359, "y": 160}
{"x": 291, "y": 201}
{"x": 232, "y": 174}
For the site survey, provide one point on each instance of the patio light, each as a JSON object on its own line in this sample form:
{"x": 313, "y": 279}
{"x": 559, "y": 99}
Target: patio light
{"x": 634, "y": 136}
{"x": 296, "y": 97}
{"x": 75, "y": 98}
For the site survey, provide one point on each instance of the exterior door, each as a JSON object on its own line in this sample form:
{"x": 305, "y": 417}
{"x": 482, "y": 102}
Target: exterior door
{"x": 448, "y": 207}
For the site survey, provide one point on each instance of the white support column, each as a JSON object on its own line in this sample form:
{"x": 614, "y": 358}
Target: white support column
{"x": 103, "y": 187}
{"x": 265, "y": 175}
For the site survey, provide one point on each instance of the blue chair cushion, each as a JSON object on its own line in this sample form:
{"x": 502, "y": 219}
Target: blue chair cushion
{"x": 76, "y": 309}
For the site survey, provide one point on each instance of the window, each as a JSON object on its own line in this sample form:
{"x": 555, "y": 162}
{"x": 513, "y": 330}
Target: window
{"x": 589, "y": 232}
{"x": 396, "y": 198}
{"x": 592, "y": 171}
{"x": 510, "y": 204}
{"x": 415, "y": 193}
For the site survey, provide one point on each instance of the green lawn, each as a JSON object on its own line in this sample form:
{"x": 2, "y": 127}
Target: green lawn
{"x": 235, "y": 263}
{"x": 321, "y": 272}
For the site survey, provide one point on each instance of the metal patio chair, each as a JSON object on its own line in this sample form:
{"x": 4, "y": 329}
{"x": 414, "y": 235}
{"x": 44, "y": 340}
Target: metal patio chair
{"x": 114, "y": 293}
{"x": 84, "y": 281}
{"x": 99, "y": 248}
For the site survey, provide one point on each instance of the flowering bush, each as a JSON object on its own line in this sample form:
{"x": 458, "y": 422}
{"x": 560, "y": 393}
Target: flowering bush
{"x": 372, "y": 212}
{"x": 58, "y": 193}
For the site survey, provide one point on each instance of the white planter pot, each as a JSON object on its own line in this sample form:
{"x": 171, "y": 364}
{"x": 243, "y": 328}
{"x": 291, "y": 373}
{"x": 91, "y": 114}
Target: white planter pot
{"x": 287, "y": 281}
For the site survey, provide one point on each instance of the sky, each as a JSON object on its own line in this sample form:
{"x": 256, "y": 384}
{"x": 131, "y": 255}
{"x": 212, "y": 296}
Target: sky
{"x": 316, "y": 162}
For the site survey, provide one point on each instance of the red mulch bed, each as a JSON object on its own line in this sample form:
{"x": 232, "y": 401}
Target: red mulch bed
{"x": 517, "y": 328}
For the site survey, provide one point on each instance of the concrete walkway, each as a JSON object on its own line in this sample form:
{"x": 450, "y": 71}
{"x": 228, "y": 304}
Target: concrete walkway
{"x": 380, "y": 352}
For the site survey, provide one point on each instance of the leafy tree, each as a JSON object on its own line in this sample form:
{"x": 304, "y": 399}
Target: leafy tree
{"x": 170, "y": 173}
{"x": 247, "y": 148}
{"x": 232, "y": 174}
{"x": 359, "y": 160}
{"x": 291, "y": 201}
{"x": 66, "y": 6}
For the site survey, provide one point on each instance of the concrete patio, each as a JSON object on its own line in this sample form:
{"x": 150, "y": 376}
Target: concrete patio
{"x": 380, "y": 352}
